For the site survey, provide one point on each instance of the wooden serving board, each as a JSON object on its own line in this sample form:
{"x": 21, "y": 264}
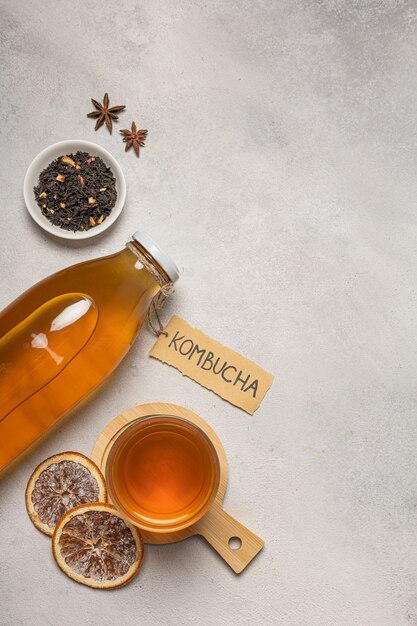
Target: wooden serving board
{"x": 216, "y": 526}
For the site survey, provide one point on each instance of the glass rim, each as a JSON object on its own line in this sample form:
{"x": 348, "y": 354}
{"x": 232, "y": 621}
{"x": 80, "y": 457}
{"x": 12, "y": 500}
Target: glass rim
{"x": 116, "y": 501}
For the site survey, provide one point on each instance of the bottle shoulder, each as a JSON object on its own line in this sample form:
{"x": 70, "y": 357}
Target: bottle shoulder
{"x": 111, "y": 281}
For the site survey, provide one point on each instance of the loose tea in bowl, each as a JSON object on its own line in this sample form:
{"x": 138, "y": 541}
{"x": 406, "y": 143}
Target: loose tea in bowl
{"x": 74, "y": 189}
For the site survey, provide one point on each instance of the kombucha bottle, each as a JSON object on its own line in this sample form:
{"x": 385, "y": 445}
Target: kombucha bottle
{"x": 61, "y": 338}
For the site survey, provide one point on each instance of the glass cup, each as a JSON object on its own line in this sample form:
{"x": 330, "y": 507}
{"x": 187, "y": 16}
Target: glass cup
{"x": 162, "y": 473}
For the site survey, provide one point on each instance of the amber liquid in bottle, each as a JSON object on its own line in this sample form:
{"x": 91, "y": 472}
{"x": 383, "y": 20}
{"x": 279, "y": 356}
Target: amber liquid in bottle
{"x": 62, "y": 338}
{"x": 163, "y": 473}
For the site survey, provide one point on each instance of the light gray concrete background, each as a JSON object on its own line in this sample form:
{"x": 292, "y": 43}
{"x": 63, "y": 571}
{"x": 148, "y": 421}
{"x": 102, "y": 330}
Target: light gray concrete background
{"x": 280, "y": 172}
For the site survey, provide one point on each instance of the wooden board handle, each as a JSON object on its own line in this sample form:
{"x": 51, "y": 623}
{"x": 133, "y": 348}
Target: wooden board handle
{"x": 235, "y": 543}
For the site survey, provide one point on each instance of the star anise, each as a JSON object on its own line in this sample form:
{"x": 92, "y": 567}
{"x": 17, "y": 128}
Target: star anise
{"x": 133, "y": 137}
{"x": 104, "y": 113}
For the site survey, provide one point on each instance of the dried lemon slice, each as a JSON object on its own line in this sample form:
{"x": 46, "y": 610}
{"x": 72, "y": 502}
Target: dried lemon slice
{"x": 94, "y": 545}
{"x": 60, "y": 483}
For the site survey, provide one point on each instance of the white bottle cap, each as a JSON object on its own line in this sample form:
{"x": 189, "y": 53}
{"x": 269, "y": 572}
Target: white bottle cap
{"x": 161, "y": 257}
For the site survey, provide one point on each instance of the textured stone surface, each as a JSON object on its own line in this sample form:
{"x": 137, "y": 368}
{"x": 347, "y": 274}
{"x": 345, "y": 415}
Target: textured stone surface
{"x": 279, "y": 171}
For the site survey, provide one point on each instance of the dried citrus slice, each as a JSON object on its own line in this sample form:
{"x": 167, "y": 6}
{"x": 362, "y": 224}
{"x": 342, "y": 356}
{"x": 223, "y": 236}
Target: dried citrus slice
{"x": 60, "y": 483}
{"x": 94, "y": 545}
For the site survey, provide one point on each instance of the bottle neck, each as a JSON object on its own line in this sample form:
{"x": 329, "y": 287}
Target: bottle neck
{"x": 160, "y": 278}
{"x": 149, "y": 263}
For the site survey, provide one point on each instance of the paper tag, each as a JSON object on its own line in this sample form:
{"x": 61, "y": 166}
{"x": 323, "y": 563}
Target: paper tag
{"x": 236, "y": 379}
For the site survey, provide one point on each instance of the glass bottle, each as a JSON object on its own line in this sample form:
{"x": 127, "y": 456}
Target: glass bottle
{"x": 60, "y": 339}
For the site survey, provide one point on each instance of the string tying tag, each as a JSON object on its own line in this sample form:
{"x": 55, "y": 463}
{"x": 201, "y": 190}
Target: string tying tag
{"x": 156, "y": 304}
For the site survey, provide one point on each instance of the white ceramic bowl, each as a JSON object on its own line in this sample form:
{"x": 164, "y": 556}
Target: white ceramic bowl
{"x": 70, "y": 147}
